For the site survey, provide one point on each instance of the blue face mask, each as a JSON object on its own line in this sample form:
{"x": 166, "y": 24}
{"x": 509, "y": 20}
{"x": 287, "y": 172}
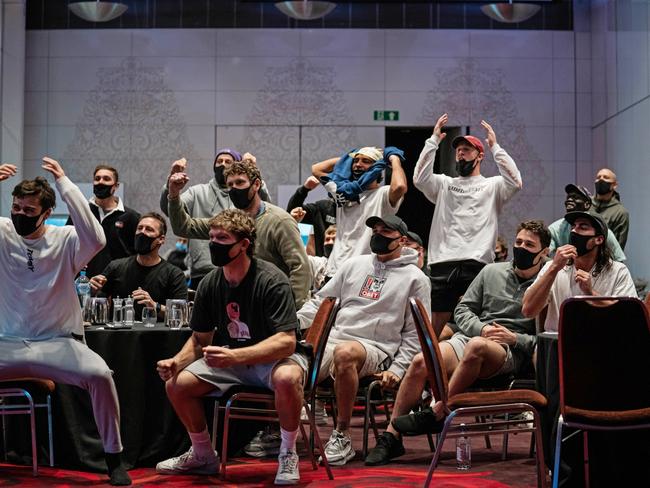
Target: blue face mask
{"x": 181, "y": 247}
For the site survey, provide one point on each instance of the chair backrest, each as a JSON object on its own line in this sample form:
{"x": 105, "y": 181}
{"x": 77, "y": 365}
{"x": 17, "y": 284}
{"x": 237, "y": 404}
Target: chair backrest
{"x": 317, "y": 336}
{"x": 436, "y": 373}
{"x": 604, "y": 354}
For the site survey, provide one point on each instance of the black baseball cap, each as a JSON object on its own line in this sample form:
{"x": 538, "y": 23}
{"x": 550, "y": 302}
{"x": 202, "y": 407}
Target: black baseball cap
{"x": 579, "y": 190}
{"x": 597, "y": 223}
{"x": 391, "y": 221}
{"x": 415, "y": 238}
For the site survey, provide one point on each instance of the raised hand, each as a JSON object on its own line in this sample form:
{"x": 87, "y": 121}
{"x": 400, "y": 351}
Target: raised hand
{"x": 491, "y": 138}
{"x": 249, "y": 158}
{"x": 97, "y": 282}
{"x": 178, "y": 166}
{"x": 311, "y": 182}
{"x": 298, "y": 214}
{"x": 176, "y": 183}
{"x": 52, "y": 166}
{"x": 437, "y": 130}
{"x": 7, "y": 171}
{"x": 564, "y": 255}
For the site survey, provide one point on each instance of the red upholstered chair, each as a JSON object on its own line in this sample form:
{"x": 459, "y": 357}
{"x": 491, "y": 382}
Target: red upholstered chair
{"x": 481, "y": 404}
{"x": 20, "y": 396}
{"x": 604, "y": 360}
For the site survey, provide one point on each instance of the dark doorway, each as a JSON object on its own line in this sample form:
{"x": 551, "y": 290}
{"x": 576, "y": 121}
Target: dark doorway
{"x": 416, "y": 210}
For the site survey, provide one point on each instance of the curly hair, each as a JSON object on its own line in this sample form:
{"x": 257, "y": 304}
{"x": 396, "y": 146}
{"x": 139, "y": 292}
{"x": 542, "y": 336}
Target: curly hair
{"x": 238, "y": 223}
{"x": 241, "y": 168}
{"x": 538, "y": 228}
{"x": 38, "y": 187}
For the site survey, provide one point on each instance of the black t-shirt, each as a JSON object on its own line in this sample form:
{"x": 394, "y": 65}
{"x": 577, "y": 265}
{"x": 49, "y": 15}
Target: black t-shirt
{"x": 259, "y": 307}
{"x": 162, "y": 281}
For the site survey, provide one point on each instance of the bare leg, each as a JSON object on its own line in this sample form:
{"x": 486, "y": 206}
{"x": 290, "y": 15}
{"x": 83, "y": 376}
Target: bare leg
{"x": 481, "y": 359}
{"x": 438, "y": 321}
{"x": 348, "y": 361}
{"x": 185, "y": 392}
{"x": 410, "y": 390}
{"x": 287, "y": 384}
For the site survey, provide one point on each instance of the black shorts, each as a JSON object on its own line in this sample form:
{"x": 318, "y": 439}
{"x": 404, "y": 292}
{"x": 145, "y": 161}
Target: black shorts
{"x": 449, "y": 281}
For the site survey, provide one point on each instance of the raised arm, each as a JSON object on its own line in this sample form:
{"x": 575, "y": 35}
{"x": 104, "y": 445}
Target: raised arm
{"x": 182, "y": 223}
{"x": 506, "y": 165}
{"x": 324, "y": 167}
{"x": 398, "y": 183}
{"x": 423, "y": 177}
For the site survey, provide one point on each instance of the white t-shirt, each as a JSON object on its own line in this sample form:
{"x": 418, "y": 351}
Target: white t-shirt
{"x": 352, "y": 234}
{"x": 614, "y": 281}
{"x": 38, "y": 299}
{"x": 465, "y": 221}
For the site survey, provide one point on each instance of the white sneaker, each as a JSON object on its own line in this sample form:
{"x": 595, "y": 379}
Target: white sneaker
{"x": 288, "y": 473}
{"x": 189, "y": 463}
{"x": 320, "y": 414}
{"x": 338, "y": 449}
{"x": 265, "y": 443}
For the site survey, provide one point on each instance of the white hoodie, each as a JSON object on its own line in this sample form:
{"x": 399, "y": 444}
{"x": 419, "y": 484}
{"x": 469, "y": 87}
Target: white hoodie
{"x": 374, "y": 304}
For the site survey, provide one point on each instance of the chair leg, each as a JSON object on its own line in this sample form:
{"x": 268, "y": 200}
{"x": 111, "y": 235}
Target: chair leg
{"x": 558, "y": 446}
{"x": 4, "y": 433}
{"x": 321, "y": 449}
{"x": 585, "y": 448}
{"x": 504, "y": 449}
{"x": 540, "y": 463}
{"x": 432, "y": 446}
{"x": 32, "y": 425}
{"x": 224, "y": 443}
{"x": 307, "y": 441}
{"x": 215, "y": 424}
{"x": 49, "y": 429}
{"x": 438, "y": 451}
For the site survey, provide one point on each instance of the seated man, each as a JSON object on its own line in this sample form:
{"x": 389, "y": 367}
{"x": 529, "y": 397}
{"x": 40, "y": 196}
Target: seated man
{"x": 373, "y": 334}
{"x": 248, "y": 304}
{"x": 41, "y": 331}
{"x": 578, "y": 199}
{"x": 146, "y": 276}
{"x": 494, "y": 339}
{"x": 279, "y": 240}
{"x": 583, "y": 267}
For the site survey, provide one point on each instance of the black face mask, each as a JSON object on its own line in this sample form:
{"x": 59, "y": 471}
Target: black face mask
{"x": 219, "y": 253}
{"x": 465, "y": 168}
{"x": 379, "y": 244}
{"x": 580, "y": 243}
{"x": 218, "y": 175}
{"x": 522, "y": 258}
{"x": 239, "y": 197}
{"x": 142, "y": 243}
{"x": 327, "y": 249}
{"x": 24, "y": 224}
{"x": 102, "y": 191}
{"x": 603, "y": 187}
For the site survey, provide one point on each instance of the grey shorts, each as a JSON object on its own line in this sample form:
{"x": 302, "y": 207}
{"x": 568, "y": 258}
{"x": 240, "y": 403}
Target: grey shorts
{"x": 376, "y": 360}
{"x": 248, "y": 375}
{"x": 459, "y": 341}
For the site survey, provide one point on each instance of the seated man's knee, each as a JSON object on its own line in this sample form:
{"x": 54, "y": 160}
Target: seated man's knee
{"x": 287, "y": 378}
{"x": 475, "y": 349}
{"x": 418, "y": 366}
{"x": 345, "y": 355}
{"x": 181, "y": 386}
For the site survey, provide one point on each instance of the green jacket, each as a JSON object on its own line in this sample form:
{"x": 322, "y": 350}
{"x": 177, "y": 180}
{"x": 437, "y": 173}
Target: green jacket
{"x": 495, "y": 295}
{"x": 277, "y": 241}
{"x": 615, "y": 216}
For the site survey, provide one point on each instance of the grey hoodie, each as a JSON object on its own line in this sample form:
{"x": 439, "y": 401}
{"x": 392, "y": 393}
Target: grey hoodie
{"x": 374, "y": 304}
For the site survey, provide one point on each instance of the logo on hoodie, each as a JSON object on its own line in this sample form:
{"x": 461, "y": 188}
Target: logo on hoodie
{"x": 371, "y": 288}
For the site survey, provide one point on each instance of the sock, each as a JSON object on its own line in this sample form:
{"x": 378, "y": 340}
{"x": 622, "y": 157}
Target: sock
{"x": 116, "y": 470}
{"x": 288, "y": 440}
{"x": 201, "y": 444}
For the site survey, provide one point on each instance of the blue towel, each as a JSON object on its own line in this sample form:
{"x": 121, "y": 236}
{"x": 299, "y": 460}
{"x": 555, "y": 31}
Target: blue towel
{"x": 348, "y": 189}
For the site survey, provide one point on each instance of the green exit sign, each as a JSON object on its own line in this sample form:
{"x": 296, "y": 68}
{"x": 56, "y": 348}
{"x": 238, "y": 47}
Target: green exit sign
{"x": 391, "y": 115}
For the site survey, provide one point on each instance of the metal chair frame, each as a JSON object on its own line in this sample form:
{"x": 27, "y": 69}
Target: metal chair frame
{"x": 27, "y": 408}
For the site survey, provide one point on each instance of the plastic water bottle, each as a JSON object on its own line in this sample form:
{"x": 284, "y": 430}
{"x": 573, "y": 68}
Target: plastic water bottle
{"x": 127, "y": 312}
{"x": 463, "y": 451}
{"x": 117, "y": 311}
{"x": 82, "y": 284}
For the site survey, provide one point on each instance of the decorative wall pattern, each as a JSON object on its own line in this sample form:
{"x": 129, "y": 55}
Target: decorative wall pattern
{"x": 131, "y": 121}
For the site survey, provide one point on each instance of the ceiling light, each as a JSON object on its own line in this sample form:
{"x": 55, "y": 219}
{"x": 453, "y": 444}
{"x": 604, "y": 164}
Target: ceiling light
{"x": 97, "y": 11}
{"x": 510, "y": 13}
{"x": 305, "y": 9}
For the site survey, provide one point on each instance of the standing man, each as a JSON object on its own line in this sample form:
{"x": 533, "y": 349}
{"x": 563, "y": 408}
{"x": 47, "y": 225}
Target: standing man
{"x": 146, "y": 276}
{"x": 584, "y": 266}
{"x": 41, "y": 330}
{"x": 279, "y": 240}
{"x": 247, "y": 303}
{"x": 118, "y": 221}
{"x": 465, "y": 220}
{"x": 354, "y": 182}
{"x": 607, "y": 204}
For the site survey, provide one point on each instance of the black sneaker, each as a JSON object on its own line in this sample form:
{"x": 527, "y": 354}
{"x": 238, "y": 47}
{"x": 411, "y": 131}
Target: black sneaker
{"x": 388, "y": 447}
{"x": 422, "y": 422}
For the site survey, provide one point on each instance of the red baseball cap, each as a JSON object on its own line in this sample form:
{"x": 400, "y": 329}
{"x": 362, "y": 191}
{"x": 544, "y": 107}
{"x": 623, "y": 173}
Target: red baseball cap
{"x": 475, "y": 142}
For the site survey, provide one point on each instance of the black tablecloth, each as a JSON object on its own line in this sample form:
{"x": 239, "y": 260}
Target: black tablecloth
{"x": 150, "y": 428}
{"x": 615, "y": 458}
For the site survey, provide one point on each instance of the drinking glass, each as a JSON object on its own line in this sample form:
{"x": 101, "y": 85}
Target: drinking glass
{"x": 175, "y": 317}
{"x": 149, "y": 316}
{"x": 99, "y": 311}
